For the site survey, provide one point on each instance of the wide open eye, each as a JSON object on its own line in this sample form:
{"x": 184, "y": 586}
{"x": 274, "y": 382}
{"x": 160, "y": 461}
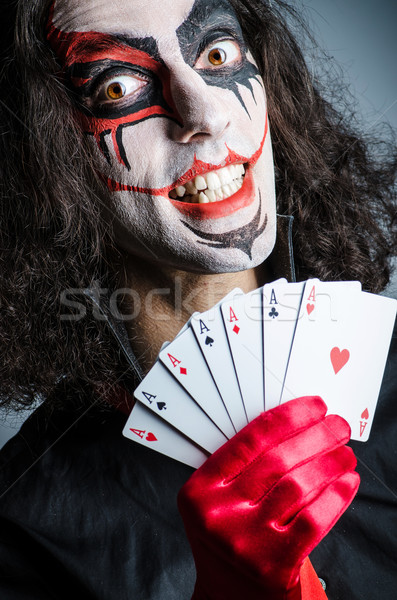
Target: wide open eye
{"x": 220, "y": 54}
{"x": 118, "y": 87}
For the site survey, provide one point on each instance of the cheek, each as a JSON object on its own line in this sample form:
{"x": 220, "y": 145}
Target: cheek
{"x": 150, "y": 155}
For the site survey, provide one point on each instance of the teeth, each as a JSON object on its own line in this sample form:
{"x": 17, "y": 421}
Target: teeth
{"x": 212, "y": 186}
{"x": 180, "y": 191}
{"x": 200, "y": 183}
{"x": 227, "y": 190}
{"x": 190, "y": 188}
{"x": 210, "y": 195}
{"x": 219, "y": 194}
{"x": 213, "y": 181}
{"x": 225, "y": 176}
{"x": 203, "y": 198}
{"x": 233, "y": 186}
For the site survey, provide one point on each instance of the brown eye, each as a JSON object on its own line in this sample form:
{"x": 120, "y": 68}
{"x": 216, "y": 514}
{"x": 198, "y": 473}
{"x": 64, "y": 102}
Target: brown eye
{"x": 217, "y": 56}
{"x": 115, "y": 90}
{"x": 119, "y": 89}
{"x": 221, "y": 54}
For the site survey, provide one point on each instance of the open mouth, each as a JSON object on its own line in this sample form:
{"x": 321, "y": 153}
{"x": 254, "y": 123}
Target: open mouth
{"x": 213, "y": 186}
{"x": 221, "y": 201}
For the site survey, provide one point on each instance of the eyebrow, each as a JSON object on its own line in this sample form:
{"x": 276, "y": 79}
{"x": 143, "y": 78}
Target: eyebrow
{"x": 205, "y": 15}
{"x": 83, "y": 47}
{"x": 102, "y": 43}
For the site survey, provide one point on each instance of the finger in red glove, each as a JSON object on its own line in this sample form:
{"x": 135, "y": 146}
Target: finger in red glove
{"x": 264, "y": 500}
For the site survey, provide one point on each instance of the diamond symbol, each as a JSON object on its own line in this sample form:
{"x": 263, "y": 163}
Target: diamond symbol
{"x": 183, "y": 371}
{"x": 236, "y": 329}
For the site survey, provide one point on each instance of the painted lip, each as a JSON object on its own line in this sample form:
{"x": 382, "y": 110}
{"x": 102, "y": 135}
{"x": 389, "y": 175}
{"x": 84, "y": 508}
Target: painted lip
{"x": 222, "y": 208}
{"x": 244, "y": 197}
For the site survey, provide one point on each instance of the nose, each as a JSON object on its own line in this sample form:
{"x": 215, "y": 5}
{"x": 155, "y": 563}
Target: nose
{"x": 203, "y": 113}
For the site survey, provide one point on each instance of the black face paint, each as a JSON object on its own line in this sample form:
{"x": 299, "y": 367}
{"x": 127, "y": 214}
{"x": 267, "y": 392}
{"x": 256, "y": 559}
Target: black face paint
{"x": 241, "y": 238}
{"x": 97, "y": 58}
{"x": 86, "y": 77}
{"x": 208, "y": 21}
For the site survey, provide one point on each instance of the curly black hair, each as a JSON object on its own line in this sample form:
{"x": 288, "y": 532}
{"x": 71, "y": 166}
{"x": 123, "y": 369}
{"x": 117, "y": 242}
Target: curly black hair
{"x": 339, "y": 186}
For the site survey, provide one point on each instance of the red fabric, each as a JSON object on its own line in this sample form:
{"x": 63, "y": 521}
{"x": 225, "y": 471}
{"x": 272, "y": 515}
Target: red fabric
{"x": 311, "y": 588}
{"x": 260, "y": 504}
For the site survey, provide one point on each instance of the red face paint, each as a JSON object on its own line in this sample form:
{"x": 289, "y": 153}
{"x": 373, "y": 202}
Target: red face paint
{"x": 78, "y": 49}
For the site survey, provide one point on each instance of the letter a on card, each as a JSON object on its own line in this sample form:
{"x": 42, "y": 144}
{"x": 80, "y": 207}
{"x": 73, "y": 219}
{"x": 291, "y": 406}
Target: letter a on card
{"x": 175, "y": 361}
{"x": 232, "y": 316}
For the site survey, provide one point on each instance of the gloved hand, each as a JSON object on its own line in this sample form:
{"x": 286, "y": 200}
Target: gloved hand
{"x": 258, "y": 506}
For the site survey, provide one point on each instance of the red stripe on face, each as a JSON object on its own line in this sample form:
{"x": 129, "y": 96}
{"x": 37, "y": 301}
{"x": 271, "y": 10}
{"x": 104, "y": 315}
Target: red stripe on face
{"x": 88, "y": 46}
{"x": 74, "y": 48}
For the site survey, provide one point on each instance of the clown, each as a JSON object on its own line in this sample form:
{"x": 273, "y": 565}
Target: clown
{"x": 165, "y": 129}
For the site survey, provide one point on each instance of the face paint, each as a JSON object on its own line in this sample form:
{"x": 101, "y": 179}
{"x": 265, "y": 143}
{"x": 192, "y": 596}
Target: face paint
{"x": 174, "y": 104}
{"x": 85, "y": 54}
{"x": 216, "y": 14}
{"x": 238, "y": 238}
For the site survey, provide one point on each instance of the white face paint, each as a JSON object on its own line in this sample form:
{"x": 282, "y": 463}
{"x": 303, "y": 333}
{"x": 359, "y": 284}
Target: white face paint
{"x": 176, "y": 111}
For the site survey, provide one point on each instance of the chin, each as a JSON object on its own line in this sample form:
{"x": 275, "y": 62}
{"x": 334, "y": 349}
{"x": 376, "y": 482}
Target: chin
{"x": 204, "y": 260}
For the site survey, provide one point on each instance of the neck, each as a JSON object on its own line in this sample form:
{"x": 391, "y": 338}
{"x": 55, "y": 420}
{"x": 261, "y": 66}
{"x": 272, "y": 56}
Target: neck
{"x": 162, "y": 299}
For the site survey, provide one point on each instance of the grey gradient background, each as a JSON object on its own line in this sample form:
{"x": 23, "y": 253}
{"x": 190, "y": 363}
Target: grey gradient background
{"x": 361, "y": 36}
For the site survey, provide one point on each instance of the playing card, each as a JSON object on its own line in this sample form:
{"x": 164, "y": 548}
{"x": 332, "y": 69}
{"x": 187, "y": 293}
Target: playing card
{"x": 281, "y": 310}
{"x": 281, "y": 303}
{"x": 163, "y": 395}
{"x": 184, "y": 360}
{"x": 242, "y": 317}
{"x": 146, "y": 428}
{"x": 339, "y": 351}
{"x": 210, "y": 333}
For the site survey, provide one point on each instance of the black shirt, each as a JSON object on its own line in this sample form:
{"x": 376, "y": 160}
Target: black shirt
{"x": 85, "y": 512}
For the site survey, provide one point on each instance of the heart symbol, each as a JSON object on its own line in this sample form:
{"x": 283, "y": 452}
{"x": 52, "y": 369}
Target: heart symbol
{"x": 151, "y": 437}
{"x": 339, "y": 358}
{"x": 161, "y": 405}
{"x": 365, "y": 414}
{"x": 309, "y": 308}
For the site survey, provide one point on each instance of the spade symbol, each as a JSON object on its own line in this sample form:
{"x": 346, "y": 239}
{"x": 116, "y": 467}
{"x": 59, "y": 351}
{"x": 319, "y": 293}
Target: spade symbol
{"x": 161, "y": 405}
{"x": 209, "y": 341}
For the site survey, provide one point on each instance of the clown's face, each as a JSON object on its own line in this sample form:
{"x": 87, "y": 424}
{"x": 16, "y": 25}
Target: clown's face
{"x": 175, "y": 111}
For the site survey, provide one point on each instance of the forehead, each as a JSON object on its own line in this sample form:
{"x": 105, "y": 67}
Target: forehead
{"x": 145, "y": 18}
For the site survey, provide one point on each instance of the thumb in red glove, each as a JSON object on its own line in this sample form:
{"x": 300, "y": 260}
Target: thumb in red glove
{"x": 260, "y": 504}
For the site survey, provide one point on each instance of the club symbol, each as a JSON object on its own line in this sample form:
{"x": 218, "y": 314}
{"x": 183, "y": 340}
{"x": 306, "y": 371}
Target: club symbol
{"x": 273, "y": 313}
{"x": 209, "y": 341}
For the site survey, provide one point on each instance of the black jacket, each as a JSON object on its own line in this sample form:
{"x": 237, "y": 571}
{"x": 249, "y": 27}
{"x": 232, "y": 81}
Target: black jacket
{"x": 85, "y": 512}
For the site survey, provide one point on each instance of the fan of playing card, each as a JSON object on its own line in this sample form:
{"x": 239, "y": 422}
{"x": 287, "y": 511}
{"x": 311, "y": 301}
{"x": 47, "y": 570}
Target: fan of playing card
{"x": 252, "y": 352}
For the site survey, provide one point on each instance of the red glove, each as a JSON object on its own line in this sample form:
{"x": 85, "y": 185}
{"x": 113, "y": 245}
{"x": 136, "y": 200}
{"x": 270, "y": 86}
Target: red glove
{"x": 260, "y": 504}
